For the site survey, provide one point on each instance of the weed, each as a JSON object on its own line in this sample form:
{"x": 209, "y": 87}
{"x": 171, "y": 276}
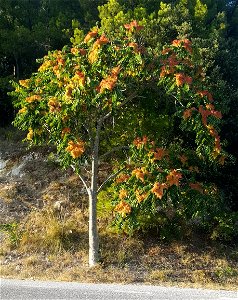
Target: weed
{"x": 158, "y": 275}
{"x": 49, "y": 231}
{"x": 31, "y": 260}
{"x": 13, "y": 232}
{"x": 199, "y": 276}
{"x": 228, "y": 271}
{"x": 104, "y": 204}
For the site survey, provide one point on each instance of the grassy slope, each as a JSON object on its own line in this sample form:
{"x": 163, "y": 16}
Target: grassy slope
{"x": 50, "y": 240}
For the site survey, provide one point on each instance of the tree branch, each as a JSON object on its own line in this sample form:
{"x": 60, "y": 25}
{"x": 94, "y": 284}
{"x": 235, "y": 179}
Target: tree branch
{"x": 177, "y": 100}
{"x": 84, "y": 183}
{"x": 128, "y": 99}
{"x": 103, "y": 118}
{"x": 82, "y": 179}
{"x": 86, "y": 128}
{"x": 109, "y": 178}
{"x": 114, "y": 149}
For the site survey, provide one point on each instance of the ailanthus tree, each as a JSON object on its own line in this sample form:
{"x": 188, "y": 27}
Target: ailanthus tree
{"x": 80, "y": 94}
{"x": 71, "y": 103}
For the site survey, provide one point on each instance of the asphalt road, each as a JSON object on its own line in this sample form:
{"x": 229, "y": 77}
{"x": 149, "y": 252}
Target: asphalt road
{"x": 25, "y": 289}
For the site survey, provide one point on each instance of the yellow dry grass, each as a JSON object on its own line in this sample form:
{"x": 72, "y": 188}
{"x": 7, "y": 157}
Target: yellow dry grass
{"x": 48, "y": 253}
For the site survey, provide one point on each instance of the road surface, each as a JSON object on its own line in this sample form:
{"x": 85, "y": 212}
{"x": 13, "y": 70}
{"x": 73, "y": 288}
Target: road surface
{"x": 26, "y": 289}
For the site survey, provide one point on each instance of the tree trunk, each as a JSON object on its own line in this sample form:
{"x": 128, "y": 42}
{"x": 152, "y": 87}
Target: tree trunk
{"x": 16, "y": 68}
{"x": 93, "y": 232}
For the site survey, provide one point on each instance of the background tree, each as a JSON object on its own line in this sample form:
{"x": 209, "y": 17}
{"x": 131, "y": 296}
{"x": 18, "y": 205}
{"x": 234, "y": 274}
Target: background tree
{"x": 164, "y": 186}
{"x": 28, "y": 30}
{"x": 211, "y": 25}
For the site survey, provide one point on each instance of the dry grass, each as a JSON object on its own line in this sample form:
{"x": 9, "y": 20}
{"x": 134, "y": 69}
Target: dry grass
{"x": 51, "y": 240}
{"x": 8, "y": 192}
{"x": 123, "y": 259}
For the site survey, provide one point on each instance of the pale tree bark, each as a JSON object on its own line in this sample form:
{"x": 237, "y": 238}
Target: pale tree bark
{"x": 92, "y": 196}
{"x": 16, "y": 68}
{"x": 93, "y": 231}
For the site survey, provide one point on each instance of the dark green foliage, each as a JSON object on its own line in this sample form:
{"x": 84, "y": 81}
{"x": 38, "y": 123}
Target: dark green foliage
{"x": 28, "y": 30}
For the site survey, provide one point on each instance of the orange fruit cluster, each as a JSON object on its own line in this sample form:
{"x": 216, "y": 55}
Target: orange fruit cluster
{"x": 185, "y": 43}
{"x": 110, "y": 81}
{"x": 158, "y": 189}
{"x": 214, "y": 133}
{"x": 173, "y": 178}
{"x": 205, "y": 93}
{"x": 188, "y": 113}
{"x": 140, "y": 173}
{"x": 22, "y": 110}
{"x": 45, "y": 65}
{"x": 172, "y": 61}
{"x": 79, "y": 78}
{"x": 208, "y": 112}
{"x": 107, "y": 84}
{"x": 140, "y": 196}
{"x": 140, "y": 142}
{"x": 102, "y": 40}
{"x": 24, "y": 83}
{"x": 76, "y": 149}
{"x": 33, "y": 98}
{"x": 77, "y": 51}
{"x": 181, "y": 79}
{"x": 123, "y": 208}
{"x": 164, "y": 71}
{"x": 169, "y": 64}
{"x": 133, "y": 25}
{"x": 30, "y": 134}
{"x": 158, "y": 154}
{"x": 65, "y": 131}
{"x": 137, "y": 48}
{"x": 122, "y": 178}
{"x": 54, "y": 105}
{"x": 68, "y": 92}
{"x": 93, "y": 55}
{"x": 90, "y": 35}
{"x": 123, "y": 194}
